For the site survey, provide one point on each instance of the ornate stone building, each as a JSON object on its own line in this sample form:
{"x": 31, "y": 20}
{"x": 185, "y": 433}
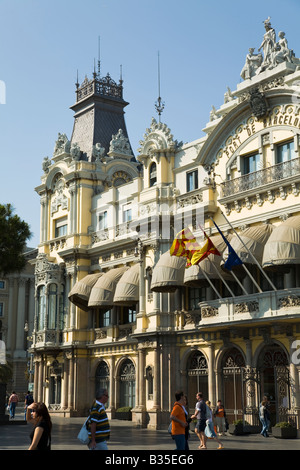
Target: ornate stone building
{"x": 114, "y": 308}
{"x": 16, "y": 323}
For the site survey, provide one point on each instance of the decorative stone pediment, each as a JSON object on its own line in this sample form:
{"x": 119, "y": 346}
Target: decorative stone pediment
{"x": 157, "y": 140}
{"x": 45, "y": 271}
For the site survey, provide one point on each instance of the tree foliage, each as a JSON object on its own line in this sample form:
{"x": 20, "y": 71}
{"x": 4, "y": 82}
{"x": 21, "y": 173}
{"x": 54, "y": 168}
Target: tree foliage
{"x": 14, "y": 234}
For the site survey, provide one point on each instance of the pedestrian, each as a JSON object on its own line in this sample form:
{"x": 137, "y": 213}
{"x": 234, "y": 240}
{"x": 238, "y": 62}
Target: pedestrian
{"x": 188, "y": 420}
{"x": 98, "y": 424}
{"x": 209, "y": 429}
{"x": 263, "y": 416}
{"x": 12, "y": 403}
{"x": 28, "y": 401}
{"x": 200, "y": 414}
{"x": 220, "y": 417}
{"x": 179, "y": 423}
{"x": 38, "y": 415}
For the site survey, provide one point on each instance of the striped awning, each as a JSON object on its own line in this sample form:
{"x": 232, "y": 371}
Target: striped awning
{"x": 283, "y": 245}
{"x": 127, "y": 289}
{"x": 194, "y": 275}
{"x": 80, "y": 293}
{"x": 102, "y": 293}
{"x": 168, "y": 273}
{"x": 255, "y": 239}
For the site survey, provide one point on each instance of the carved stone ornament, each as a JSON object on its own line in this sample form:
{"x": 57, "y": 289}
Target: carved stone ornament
{"x": 62, "y": 145}
{"x": 120, "y": 144}
{"x": 75, "y": 151}
{"x": 98, "y": 152}
{"x": 46, "y": 164}
{"x": 258, "y": 103}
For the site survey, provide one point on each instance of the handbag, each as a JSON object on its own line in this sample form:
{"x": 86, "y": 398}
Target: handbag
{"x": 170, "y": 428}
{"x": 83, "y": 434}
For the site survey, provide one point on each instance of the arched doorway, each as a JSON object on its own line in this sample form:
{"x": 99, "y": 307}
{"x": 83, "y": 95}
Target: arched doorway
{"x": 233, "y": 364}
{"x": 197, "y": 372}
{"x": 275, "y": 380}
{"x": 127, "y": 384}
{"x": 102, "y": 378}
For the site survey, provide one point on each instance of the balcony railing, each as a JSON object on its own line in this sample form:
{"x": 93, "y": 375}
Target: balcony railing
{"x": 261, "y": 178}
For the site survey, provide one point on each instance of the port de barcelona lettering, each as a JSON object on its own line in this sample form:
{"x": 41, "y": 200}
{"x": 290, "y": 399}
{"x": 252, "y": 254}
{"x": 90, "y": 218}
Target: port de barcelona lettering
{"x": 280, "y": 116}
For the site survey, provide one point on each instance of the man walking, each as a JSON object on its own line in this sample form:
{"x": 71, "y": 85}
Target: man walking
{"x": 179, "y": 422}
{"x": 12, "y": 402}
{"x": 200, "y": 414}
{"x": 99, "y": 429}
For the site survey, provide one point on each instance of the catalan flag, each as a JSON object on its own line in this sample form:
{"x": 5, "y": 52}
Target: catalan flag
{"x": 184, "y": 245}
{"x": 207, "y": 249}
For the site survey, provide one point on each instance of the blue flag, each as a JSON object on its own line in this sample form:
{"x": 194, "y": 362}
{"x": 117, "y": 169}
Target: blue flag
{"x": 233, "y": 259}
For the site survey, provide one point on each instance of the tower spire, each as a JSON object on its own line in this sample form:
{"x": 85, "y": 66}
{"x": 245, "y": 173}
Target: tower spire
{"x": 159, "y": 104}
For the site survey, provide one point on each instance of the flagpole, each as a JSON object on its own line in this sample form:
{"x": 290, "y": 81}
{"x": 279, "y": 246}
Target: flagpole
{"x": 246, "y": 269}
{"x": 254, "y": 259}
{"x": 237, "y": 280}
{"x": 223, "y": 280}
{"x": 210, "y": 283}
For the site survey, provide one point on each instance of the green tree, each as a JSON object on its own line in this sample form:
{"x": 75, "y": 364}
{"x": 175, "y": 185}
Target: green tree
{"x": 14, "y": 234}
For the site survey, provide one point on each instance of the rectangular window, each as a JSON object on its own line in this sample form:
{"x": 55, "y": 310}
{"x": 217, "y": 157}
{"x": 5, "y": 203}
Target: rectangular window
{"x": 1, "y": 309}
{"x": 127, "y": 212}
{"x": 192, "y": 180}
{"x": 103, "y": 220}
{"x": 285, "y": 152}
{"x": 251, "y": 163}
{"x": 196, "y": 295}
{"x": 2, "y": 284}
{"x": 61, "y": 227}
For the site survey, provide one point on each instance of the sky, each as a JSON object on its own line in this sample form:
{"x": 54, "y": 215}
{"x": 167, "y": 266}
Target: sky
{"x": 43, "y": 43}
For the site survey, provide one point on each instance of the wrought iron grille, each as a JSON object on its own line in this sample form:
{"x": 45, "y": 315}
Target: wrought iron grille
{"x": 261, "y": 177}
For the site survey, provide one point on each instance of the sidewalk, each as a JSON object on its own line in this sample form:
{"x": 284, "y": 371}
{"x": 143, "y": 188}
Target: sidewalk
{"x": 126, "y": 436}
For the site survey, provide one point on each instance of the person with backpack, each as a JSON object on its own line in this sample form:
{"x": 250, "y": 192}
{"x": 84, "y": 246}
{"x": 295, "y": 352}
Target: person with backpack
{"x": 200, "y": 414}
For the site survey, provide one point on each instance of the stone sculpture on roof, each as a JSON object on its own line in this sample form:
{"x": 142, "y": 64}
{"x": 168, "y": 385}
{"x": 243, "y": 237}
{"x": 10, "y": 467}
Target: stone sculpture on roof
{"x": 273, "y": 53}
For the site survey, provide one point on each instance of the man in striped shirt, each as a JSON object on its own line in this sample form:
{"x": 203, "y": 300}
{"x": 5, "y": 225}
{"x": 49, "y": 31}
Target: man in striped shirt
{"x": 99, "y": 430}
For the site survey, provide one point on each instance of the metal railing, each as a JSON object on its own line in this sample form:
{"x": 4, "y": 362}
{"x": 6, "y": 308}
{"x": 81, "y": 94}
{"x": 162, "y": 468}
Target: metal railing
{"x": 261, "y": 177}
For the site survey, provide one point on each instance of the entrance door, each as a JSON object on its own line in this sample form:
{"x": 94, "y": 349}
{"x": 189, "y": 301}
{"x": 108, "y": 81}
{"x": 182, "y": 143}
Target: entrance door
{"x": 233, "y": 387}
{"x": 127, "y": 385}
{"x": 273, "y": 367}
{"x": 197, "y": 378}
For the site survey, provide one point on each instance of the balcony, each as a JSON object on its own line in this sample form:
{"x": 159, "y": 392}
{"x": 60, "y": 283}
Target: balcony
{"x": 275, "y": 305}
{"x": 263, "y": 181}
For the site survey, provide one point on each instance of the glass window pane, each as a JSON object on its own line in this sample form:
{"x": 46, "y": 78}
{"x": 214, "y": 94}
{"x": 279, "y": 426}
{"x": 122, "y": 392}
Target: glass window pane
{"x": 285, "y": 152}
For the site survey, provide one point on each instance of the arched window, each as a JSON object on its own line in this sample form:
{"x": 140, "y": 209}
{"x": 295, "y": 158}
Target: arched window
{"x": 41, "y": 307}
{"x": 52, "y": 306}
{"x": 197, "y": 371}
{"x": 153, "y": 174}
{"x": 102, "y": 377}
{"x": 127, "y": 385}
{"x": 234, "y": 395}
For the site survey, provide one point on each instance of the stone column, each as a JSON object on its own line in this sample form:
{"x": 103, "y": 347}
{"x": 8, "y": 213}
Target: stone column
{"x": 64, "y": 385}
{"x": 211, "y": 375}
{"x": 156, "y": 378}
{"x": 19, "y": 327}
{"x": 71, "y": 382}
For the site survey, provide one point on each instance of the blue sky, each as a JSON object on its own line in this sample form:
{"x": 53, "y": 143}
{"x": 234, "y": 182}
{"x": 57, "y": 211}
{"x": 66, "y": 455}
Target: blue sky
{"x": 202, "y": 47}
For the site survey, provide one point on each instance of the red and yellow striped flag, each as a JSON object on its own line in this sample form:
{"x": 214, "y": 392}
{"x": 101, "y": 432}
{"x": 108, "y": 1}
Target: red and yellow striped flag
{"x": 184, "y": 245}
{"x": 207, "y": 249}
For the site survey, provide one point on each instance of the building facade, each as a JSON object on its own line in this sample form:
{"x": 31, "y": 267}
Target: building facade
{"x": 16, "y": 318}
{"x": 115, "y": 309}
